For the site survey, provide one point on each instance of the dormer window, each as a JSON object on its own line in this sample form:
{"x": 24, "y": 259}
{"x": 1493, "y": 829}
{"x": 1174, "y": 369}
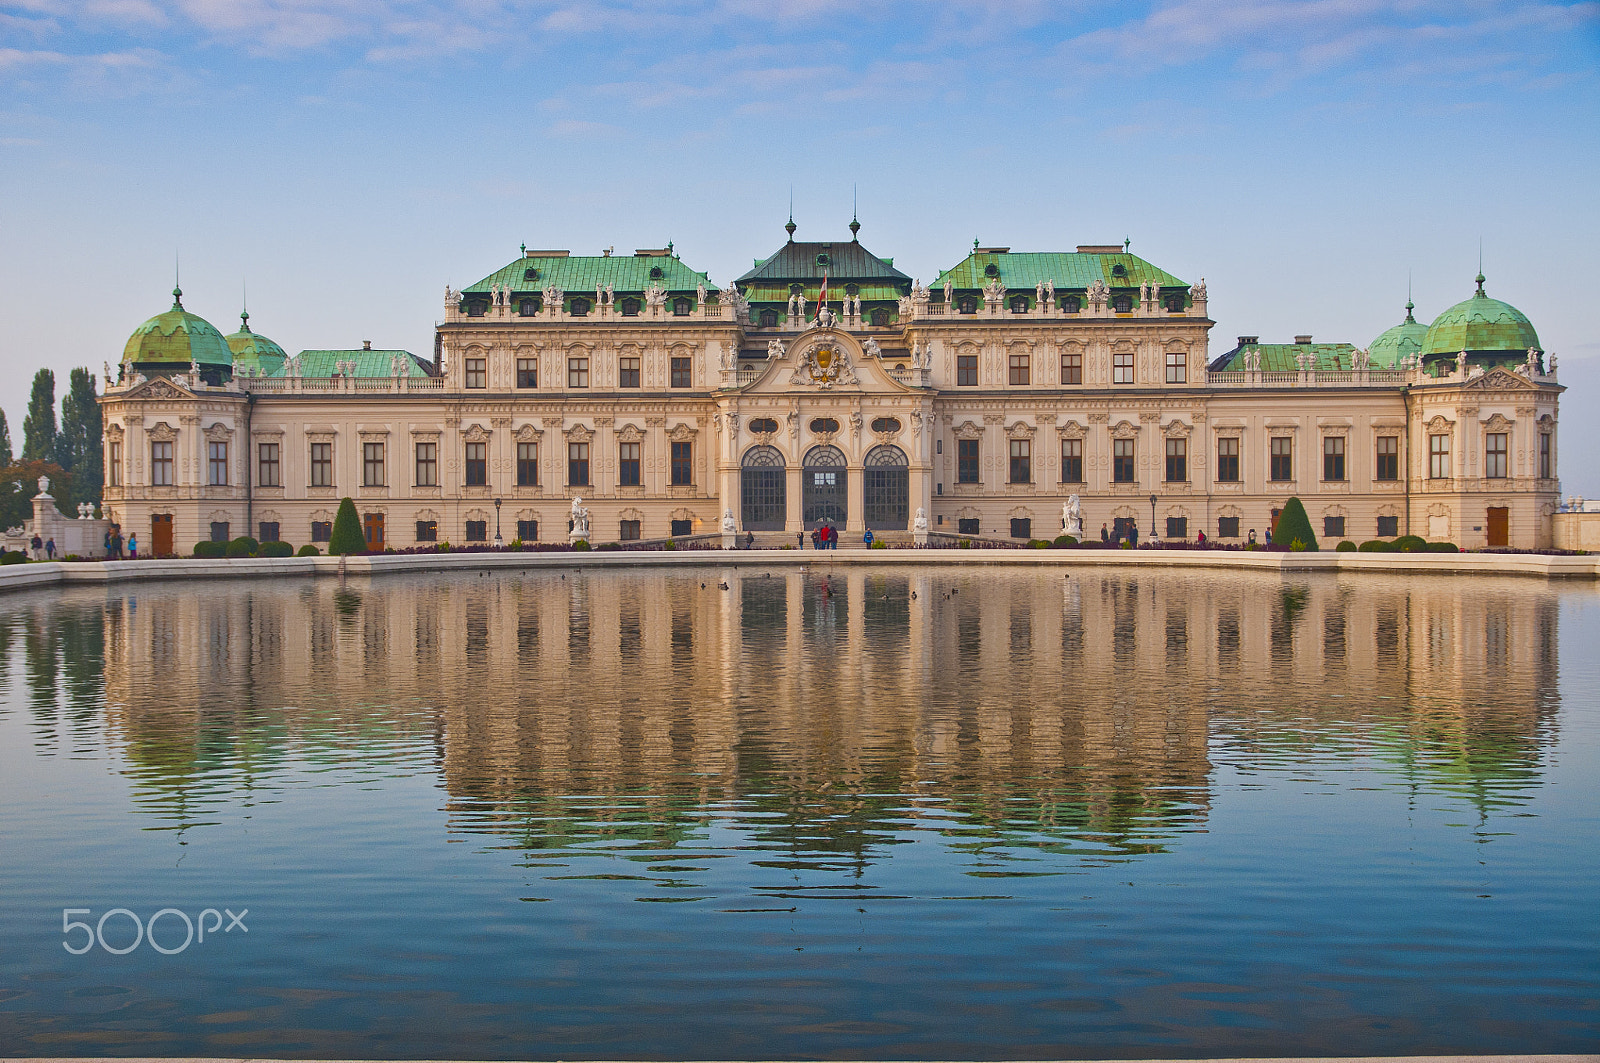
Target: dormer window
{"x": 682, "y": 307}
{"x": 880, "y": 318}
{"x": 580, "y": 307}
{"x": 630, "y": 308}
{"x": 655, "y": 273}
{"x": 1119, "y": 270}
{"x": 991, "y": 270}
{"x": 1019, "y": 304}
{"x": 476, "y": 308}
{"x": 530, "y": 274}
{"x": 1122, "y": 304}
{"x": 769, "y": 319}
{"x": 1175, "y": 304}
{"x": 967, "y": 304}
{"x": 1072, "y": 304}
{"x": 822, "y": 259}
{"x": 528, "y": 307}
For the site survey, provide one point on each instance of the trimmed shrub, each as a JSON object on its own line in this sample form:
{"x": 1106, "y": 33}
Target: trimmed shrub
{"x": 1443, "y": 548}
{"x": 669, "y": 545}
{"x": 210, "y": 549}
{"x": 1064, "y": 540}
{"x": 1376, "y": 546}
{"x": 243, "y": 546}
{"x": 13, "y": 557}
{"x": 609, "y": 546}
{"x": 276, "y": 549}
{"x": 347, "y": 537}
{"x": 1294, "y": 527}
{"x": 964, "y": 544}
{"x": 1346, "y": 547}
{"x": 582, "y": 545}
{"x": 1410, "y": 544}
{"x": 308, "y": 550}
{"x": 1038, "y": 544}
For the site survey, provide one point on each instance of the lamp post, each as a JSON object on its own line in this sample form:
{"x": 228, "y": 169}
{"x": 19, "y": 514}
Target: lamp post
{"x": 498, "y": 501}
{"x": 1152, "y": 518}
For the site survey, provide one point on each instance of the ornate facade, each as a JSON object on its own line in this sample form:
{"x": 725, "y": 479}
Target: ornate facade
{"x": 986, "y": 399}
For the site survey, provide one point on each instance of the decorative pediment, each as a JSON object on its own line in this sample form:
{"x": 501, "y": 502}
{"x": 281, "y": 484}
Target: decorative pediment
{"x": 427, "y": 514}
{"x": 475, "y": 433}
{"x": 1438, "y": 423}
{"x": 968, "y": 430}
{"x": 113, "y": 431}
{"x": 1177, "y": 429}
{"x": 528, "y": 433}
{"x": 476, "y": 514}
{"x": 1071, "y": 429}
{"x": 682, "y": 433}
{"x": 1020, "y": 430}
{"x": 162, "y": 432}
{"x": 630, "y": 433}
{"x": 631, "y": 514}
{"x": 1229, "y": 431}
{"x": 160, "y": 388}
{"x": 1124, "y": 430}
{"x": 1500, "y": 379}
{"x": 579, "y": 433}
{"x": 1498, "y": 423}
{"x": 219, "y": 432}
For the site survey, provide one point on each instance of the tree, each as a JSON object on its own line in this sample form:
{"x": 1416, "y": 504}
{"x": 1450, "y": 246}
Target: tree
{"x": 5, "y": 441}
{"x": 1294, "y": 526}
{"x": 19, "y": 482}
{"x": 78, "y": 446}
{"x": 346, "y": 537}
{"x": 39, "y": 427}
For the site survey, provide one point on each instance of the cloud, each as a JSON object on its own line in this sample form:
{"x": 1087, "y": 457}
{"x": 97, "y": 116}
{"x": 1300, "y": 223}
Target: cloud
{"x": 105, "y": 74}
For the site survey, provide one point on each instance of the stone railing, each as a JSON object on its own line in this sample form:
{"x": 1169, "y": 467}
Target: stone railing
{"x": 297, "y": 385}
{"x": 707, "y": 311}
{"x": 1315, "y": 378}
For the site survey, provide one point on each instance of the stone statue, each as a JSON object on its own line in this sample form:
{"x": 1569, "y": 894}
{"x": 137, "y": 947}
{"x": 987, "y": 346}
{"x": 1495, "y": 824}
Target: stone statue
{"x": 655, "y": 295}
{"x": 949, "y": 291}
{"x": 1072, "y": 518}
{"x": 793, "y": 418}
{"x": 872, "y": 349}
{"x": 729, "y": 527}
{"x": 775, "y": 349}
{"x": 824, "y": 317}
{"x": 700, "y": 294}
{"x": 855, "y": 420}
{"x": 794, "y": 305}
{"x": 727, "y": 356}
{"x": 108, "y": 376}
{"x": 1550, "y": 356}
{"x": 905, "y": 306}
{"x": 1050, "y": 291}
{"x": 1198, "y": 291}
{"x": 919, "y": 523}
{"x": 1038, "y": 293}
{"x": 580, "y": 520}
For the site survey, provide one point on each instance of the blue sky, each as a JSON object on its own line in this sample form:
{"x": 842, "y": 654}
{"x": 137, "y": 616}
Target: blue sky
{"x": 349, "y": 158}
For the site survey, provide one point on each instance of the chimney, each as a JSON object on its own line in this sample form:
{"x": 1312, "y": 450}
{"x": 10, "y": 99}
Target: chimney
{"x": 438, "y": 350}
{"x": 1302, "y": 341}
{"x": 366, "y": 345}
{"x": 1249, "y": 341}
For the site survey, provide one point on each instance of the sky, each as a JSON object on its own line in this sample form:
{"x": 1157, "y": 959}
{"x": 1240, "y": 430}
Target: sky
{"x": 344, "y": 160}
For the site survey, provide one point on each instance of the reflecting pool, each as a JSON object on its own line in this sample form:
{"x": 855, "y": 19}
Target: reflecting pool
{"x": 858, "y": 813}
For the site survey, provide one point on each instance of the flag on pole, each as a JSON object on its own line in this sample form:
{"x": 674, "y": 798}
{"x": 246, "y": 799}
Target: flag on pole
{"x": 822, "y": 297}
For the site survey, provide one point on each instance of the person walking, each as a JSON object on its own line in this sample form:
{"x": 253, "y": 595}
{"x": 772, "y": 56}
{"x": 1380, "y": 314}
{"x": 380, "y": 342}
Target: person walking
{"x": 38, "y": 547}
{"x": 1133, "y": 536}
{"x": 867, "y": 538}
{"x": 799, "y": 540}
{"x": 816, "y": 538}
{"x": 116, "y": 543}
{"x": 1105, "y": 533}
{"x": 133, "y": 547}
{"x": 50, "y": 548}
{"x": 749, "y": 540}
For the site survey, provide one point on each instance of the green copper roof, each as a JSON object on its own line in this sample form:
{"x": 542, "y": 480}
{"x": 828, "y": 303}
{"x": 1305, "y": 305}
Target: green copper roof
{"x": 576, "y": 274}
{"x": 1280, "y": 357}
{"x": 177, "y": 337}
{"x": 1067, "y": 270}
{"x": 1479, "y": 324}
{"x": 368, "y": 363}
{"x": 803, "y": 261}
{"x": 253, "y": 352}
{"x": 1401, "y": 341}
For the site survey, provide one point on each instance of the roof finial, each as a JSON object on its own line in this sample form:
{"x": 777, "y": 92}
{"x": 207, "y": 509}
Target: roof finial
{"x": 974, "y": 244}
{"x": 855, "y": 222}
{"x": 1410, "y": 306}
{"x": 1480, "y": 265}
{"x": 177, "y": 288}
{"x": 244, "y": 313}
{"x": 1127, "y": 242}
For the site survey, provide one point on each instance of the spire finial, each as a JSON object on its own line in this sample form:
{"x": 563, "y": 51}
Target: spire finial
{"x": 1480, "y": 265}
{"x": 1127, "y": 242}
{"x": 1410, "y": 306}
{"x": 855, "y": 222}
{"x": 524, "y": 249}
{"x": 974, "y": 244}
{"x": 177, "y": 287}
{"x": 244, "y": 312}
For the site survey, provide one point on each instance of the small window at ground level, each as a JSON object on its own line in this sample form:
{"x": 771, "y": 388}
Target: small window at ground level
{"x": 528, "y": 531}
{"x": 1227, "y": 527}
{"x": 269, "y": 531}
{"x": 682, "y": 527}
{"x": 219, "y": 531}
{"x": 967, "y": 526}
{"x": 427, "y": 531}
{"x": 1021, "y": 527}
{"x": 1388, "y": 527}
{"x": 1177, "y": 527}
{"x": 477, "y": 531}
{"x": 321, "y": 531}
{"x": 629, "y": 530}
{"x": 1333, "y": 527}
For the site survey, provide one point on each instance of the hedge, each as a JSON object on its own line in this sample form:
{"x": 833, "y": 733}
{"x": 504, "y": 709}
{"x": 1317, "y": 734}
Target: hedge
{"x": 347, "y": 537}
{"x": 13, "y": 557}
{"x": 1410, "y": 543}
{"x": 308, "y": 550}
{"x": 276, "y": 549}
{"x": 1346, "y": 547}
{"x": 1294, "y": 527}
{"x": 1064, "y": 540}
{"x": 210, "y": 549}
{"x": 243, "y": 546}
{"x": 1376, "y": 546}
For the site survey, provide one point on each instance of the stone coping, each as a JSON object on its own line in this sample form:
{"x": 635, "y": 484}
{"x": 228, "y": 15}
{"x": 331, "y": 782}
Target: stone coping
{"x": 1220, "y": 1059}
{"x": 1544, "y": 566}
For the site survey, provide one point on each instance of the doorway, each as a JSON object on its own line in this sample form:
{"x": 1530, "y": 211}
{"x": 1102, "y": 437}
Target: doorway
{"x": 1499, "y": 526}
{"x": 372, "y": 527}
{"x": 161, "y": 535}
{"x": 886, "y": 488}
{"x": 823, "y": 480}
{"x": 763, "y": 493}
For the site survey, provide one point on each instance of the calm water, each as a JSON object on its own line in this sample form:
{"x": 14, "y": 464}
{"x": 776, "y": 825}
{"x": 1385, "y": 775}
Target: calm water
{"x": 932, "y": 814}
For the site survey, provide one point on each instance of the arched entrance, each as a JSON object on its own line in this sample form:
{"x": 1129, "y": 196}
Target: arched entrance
{"x": 823, "y": 486}
{"x": 763, "y": 494}
{"x": 886, "y": 488}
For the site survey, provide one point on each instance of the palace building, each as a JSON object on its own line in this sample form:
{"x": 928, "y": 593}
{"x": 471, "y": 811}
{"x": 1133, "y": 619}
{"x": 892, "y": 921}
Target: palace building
{"x": 826, "y": 384}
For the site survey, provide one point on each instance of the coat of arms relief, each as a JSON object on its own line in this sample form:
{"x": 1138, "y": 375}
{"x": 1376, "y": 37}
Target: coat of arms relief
{"x": 824, "y": 363}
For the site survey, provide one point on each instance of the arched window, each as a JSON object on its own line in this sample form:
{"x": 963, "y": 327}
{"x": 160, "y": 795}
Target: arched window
{"x": 769, "y": 319}
{"x": 886, "y": 488}
{"x": 580, "y": 307}
{"x": 880, "y": 318}
{"x": 682, "y": 307}
{"x": 763, "y": 489}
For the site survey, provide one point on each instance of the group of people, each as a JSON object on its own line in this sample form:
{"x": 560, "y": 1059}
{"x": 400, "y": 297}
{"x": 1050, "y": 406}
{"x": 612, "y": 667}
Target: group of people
{"x": 823, "y": 537}
{"x": 114, "y": 544}
{"x": 43, "y": 549}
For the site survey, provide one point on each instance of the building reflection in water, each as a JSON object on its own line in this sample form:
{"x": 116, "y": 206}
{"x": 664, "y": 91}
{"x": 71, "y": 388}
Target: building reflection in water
{"x": 826, "y": 715}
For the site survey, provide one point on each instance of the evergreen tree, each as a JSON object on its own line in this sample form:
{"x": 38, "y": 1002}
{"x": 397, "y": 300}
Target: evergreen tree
{"x": 346, "y": 537}
{"x": 1294, "y": 526}
{"x": 5, "y": 441}
{"x": 78, "y": 447}
{"x": 39, "y": 426}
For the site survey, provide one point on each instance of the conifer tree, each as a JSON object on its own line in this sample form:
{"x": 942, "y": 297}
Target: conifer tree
{"x": 39, "y": 426}
{"x": 78, "y": 447}
{"x": 1294, "y": 526}
{"x": 5, "y": 441}
{"x": 346, "y": 537}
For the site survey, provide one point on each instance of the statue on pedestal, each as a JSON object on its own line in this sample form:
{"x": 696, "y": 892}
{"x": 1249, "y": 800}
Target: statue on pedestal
{"x": 1072, "y": 518}
{"x": 729, "y": 526}
{"x": 580, "y": 521}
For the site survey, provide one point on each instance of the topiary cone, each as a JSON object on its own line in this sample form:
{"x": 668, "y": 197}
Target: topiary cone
{"x": 346, "y": 537}
{"x": 1293, "y": 524}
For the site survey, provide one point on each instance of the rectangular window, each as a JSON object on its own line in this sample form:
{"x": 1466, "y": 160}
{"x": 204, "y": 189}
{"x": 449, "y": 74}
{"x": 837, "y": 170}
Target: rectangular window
{"x": 682, "y": 465}
{"x": 966, "y": 370}
{"x": 528, "y": 531}
{"x": 1072, "y": 367}
{"x": 527, "y": 464}
{"x": 1439, "y": 457}
{"x": 967, "y": 461}
{"x": 679, "y": 528}
{"x": 682, "y": 376}
{"x": 1021, "y": 461}
{"x": 219, "y": 531}
{"x": 477, "y": 372}
{"x": 1122, "y": 461}
{"x": 578, "y": 464}
{"x": 218, "y": 462}
{"x": 628, "y": 530}
{"x": 527, "y": 372}
{"x": 1227, "y": 527}
{"x": 1333, "y": 458}
{"x": 1333, "y": 527}
{"x": 268, "y": 530}
{"x": 1177, "y": 461}
{"x": 1228, "y": 459}
{"x": 577, "y": 372}
{"x": 1388, "y": 467}
{"x": 1388, "y": 527}
{"x": 322, "y": 465}
{"x": 427, "y": 465}
{"x": 1494, "y": 456}
{"x": 1177, "y": 367}
{"x": 628, "y": 372}
{"x": 967, "y": 526}
{"x": 477, "y": 464}
{"x": 1177, "y": 527}
{"x": 267, "y": 467}
{"x": 1021, "y": 527}
{"x": 477, "y": 531}
{"x": 1072, "y": 461}
{"x": 372, "y": 464}
{"x": 114, "y": 465}
{"x": 1546, "y": 467}
{"x": 1122, "y": 367}
{"x": 1020, "y": 368}
{"x": 321, "y": 531}
{"x": 427, "y": 531}
{"x": 1282, "y": 458}
{"x": 628, "y": 464}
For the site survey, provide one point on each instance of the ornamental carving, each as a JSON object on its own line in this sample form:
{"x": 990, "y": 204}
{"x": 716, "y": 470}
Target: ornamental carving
{"x": 1071, "y": 429}
{"x": 824, "y": 364}
{"x": 1177, "y": 429}
{"x": 579, "y": 433}
{"x": 1020, "y": 430}
{"x": 162, "y": 432}
{"x": 1498, "y": 423}
{"x": 218, "y": 432}
{"x": 1438, "y": 423}
{"x": 968, "y": 430}
{"x": 1124, "y": 430}
{"x": 159, "y": 389}
{"x": 475, "y": 434}
{"x": 630, "y": 433}
{"x": 682, "y": 433}
{"x": 528, "y": 434}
